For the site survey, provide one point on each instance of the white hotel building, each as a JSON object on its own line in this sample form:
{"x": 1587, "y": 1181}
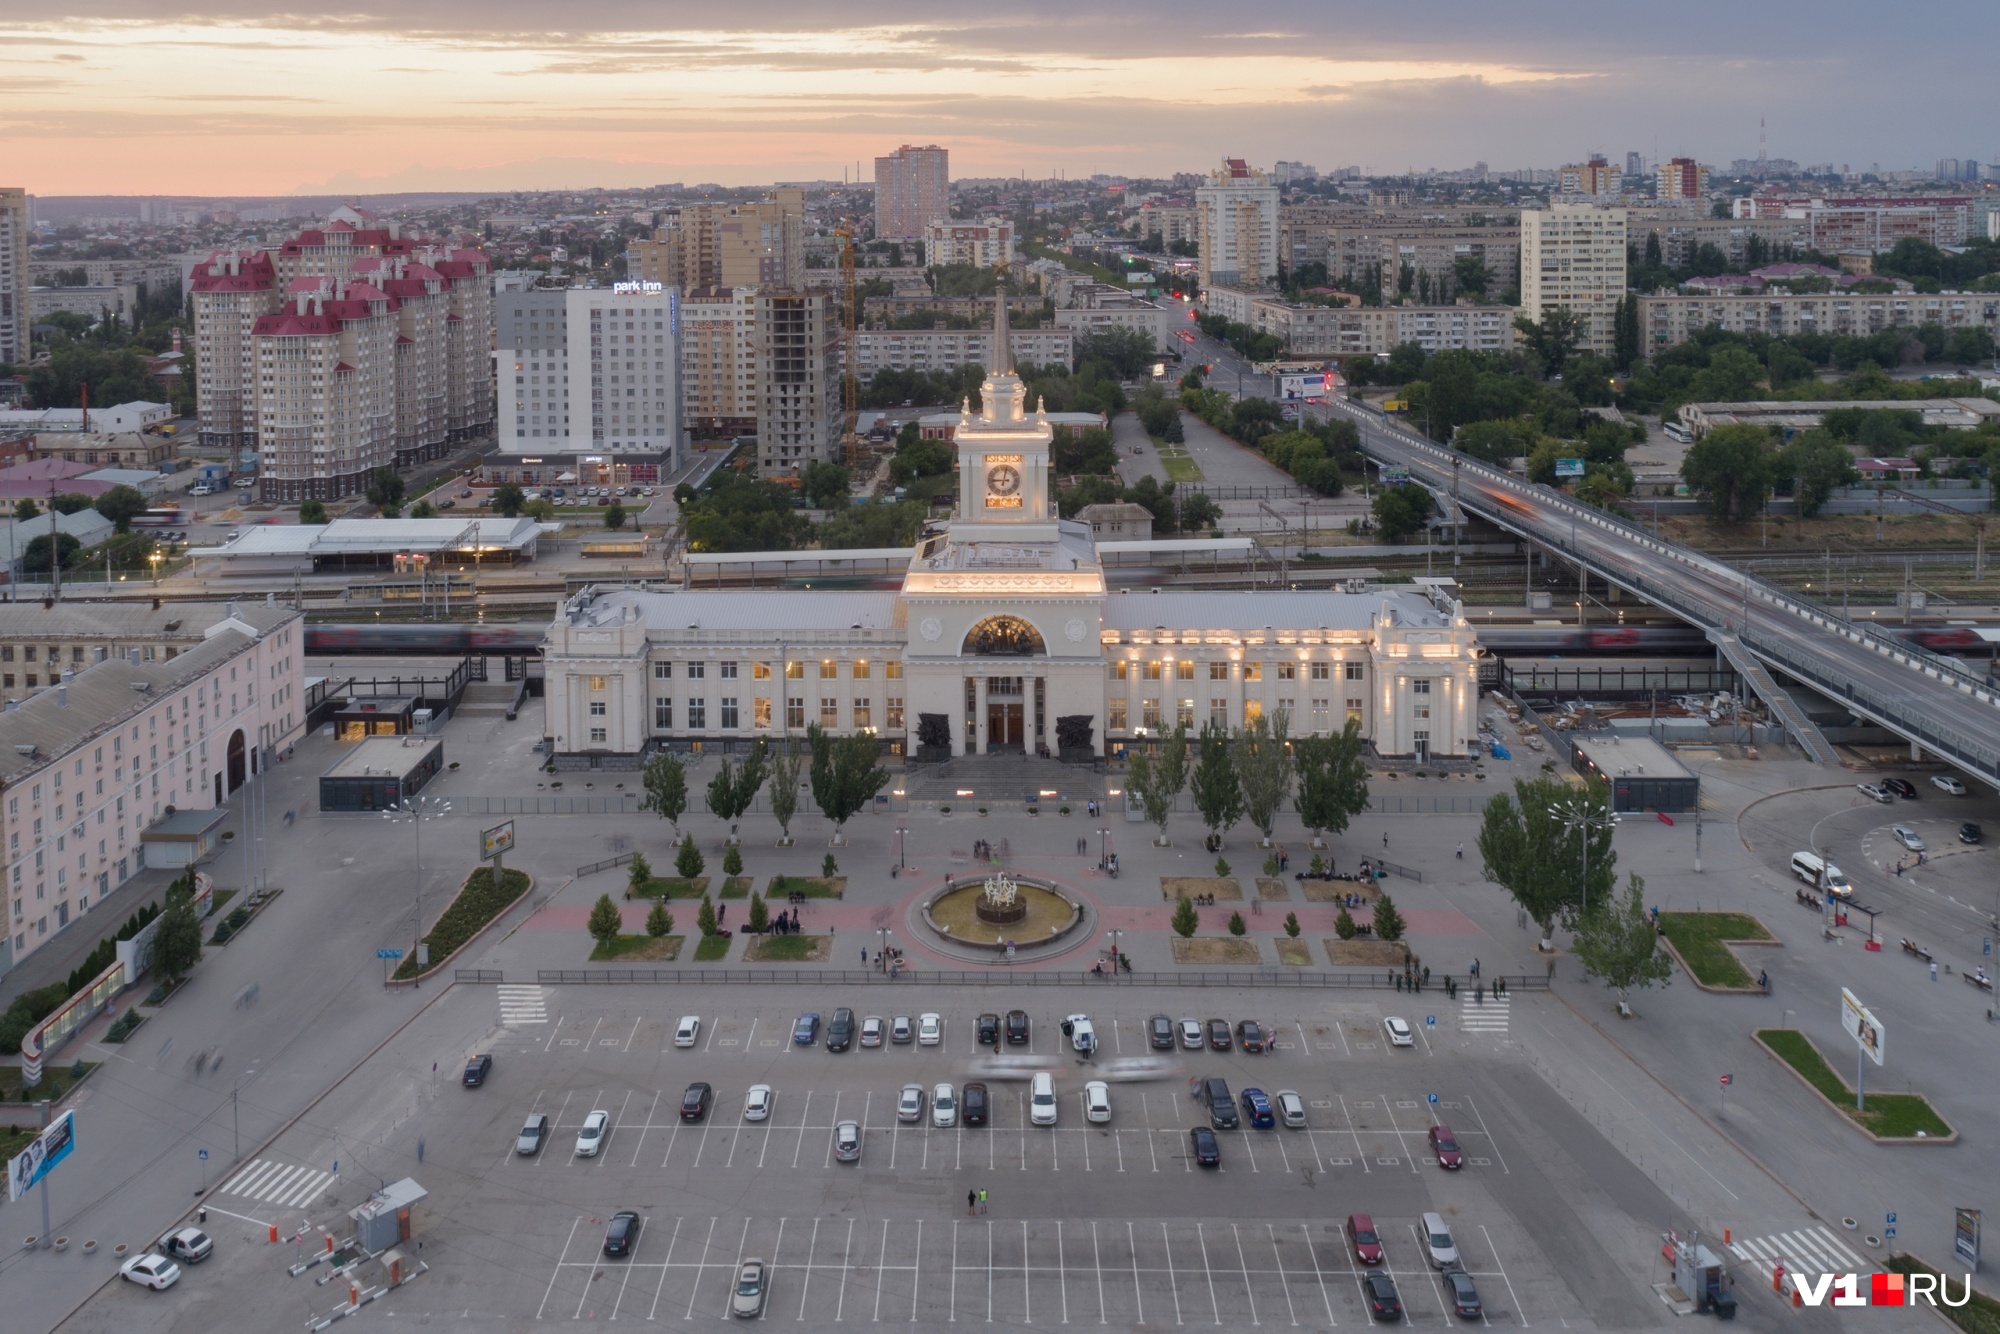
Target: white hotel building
{"x": 91, "y": 761}
{"x": 1002, "y": 625}
{"x": 590, "y": 369}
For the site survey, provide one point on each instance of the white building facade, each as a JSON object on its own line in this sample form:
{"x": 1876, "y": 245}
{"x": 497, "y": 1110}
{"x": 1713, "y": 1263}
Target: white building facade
{"x": 1003, "y": 625}
{"x": 1573, "y": 255}
{"x": 1237, "y": 214}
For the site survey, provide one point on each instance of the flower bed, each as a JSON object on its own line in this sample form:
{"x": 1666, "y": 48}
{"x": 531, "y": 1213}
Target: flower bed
{"x": 478, "y": 904}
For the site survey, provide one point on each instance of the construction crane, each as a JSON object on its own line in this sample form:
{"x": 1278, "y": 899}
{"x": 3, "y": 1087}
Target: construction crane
{"x": 849, "y": 345}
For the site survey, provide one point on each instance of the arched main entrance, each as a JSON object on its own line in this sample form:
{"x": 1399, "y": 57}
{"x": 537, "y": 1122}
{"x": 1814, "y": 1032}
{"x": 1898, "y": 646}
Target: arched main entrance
{"x": 236, "y": 759}
{"x": 1013, "y": 704}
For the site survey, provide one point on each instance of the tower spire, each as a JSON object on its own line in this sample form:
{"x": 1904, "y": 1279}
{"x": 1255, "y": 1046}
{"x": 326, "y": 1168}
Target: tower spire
{"x": 1003, "y": 350}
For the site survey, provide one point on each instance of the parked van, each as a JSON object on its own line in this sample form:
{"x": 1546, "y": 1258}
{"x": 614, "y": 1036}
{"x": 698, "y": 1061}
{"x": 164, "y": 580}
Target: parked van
{"x": 1821, "y": 874}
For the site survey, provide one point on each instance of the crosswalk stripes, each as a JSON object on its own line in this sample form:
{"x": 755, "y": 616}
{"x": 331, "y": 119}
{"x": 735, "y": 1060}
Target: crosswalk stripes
{"x": 522, "y": 1005}
{"x": 278, "y": 1183}
{"x": 1812, "y": 1250}
{"x": 1483, "y": 1016}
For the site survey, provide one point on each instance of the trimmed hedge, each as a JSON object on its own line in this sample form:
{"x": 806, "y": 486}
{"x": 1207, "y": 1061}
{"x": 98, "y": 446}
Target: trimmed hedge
{"x": 470, "y": 913}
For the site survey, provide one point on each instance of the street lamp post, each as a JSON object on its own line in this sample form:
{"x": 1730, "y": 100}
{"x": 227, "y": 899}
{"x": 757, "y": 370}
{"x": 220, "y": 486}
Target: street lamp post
{"x": 901, "y": 863}
{"x": 235, "y": 1121}
{"x": 882, "y": 934}
{"x": 1112, "y": 936}
{"x": 1580, "y": 816}
{"x": 416, "y": 810}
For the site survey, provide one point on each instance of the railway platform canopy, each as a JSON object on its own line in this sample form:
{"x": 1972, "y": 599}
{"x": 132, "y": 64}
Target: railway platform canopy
{"x": 402, "y": 544}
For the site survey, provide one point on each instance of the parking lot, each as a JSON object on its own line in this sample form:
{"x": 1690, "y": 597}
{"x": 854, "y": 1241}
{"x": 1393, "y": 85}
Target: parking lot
{"x": 1083, "y": 1223}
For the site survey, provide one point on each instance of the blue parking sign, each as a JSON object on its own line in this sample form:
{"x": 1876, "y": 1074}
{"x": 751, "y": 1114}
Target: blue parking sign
{"x": 201, "y": 1154}
{"x": 1430, "y": 1021}
{"x": 1433, "y": 1098}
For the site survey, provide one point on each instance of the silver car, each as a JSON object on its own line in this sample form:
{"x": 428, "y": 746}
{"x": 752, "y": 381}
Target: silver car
{"x": 753, "y": 1288}
{"x": 910, "y": 1107}
{"x": 847, "y": 1141}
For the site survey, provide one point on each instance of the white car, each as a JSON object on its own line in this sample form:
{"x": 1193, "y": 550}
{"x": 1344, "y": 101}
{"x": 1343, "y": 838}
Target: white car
{"x": 1082, "y": 1033}
{"x": 757, "y": 1103}
{"x": 1399, "y": 1032}
{"x": 154, "y": 1271}
{"x": 944, "y": 1107}
{"x": 1291, "y": 1108}
{"x": 1946, "y": 783}
{"x": 591, "y": 1135}
{"x": 187, "y": 1243}
{"x": 688, "y": 1031}
{"x": 1907, "y": 837}
{"x": 1097, "y": 1102}
{"x": 1875, "y": 792}
{"x": 1042, "y": 1099}
{"x": 930, "y": 1030}
{"x": 910, "y": 1107}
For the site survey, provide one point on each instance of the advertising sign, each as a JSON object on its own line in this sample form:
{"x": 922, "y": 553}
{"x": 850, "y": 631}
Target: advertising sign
{"x": 1316, "y": 384}
{"x": 1965, "y": 1236}
{"x": 494, "y": 841}
{"x": 1395, "y": 475}
{"x": 27, "y": 1168}
{"x": 1859, "y": 1024}
{"x": 1569, "y": 467}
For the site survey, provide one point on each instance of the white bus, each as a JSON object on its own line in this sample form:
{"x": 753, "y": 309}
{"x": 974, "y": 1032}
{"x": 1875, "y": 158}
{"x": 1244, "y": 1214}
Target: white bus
{"x": 1676, "y": 431}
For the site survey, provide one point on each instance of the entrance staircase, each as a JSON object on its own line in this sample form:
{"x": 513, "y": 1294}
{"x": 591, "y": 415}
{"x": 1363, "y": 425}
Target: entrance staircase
{"x": 1002, "y": 778}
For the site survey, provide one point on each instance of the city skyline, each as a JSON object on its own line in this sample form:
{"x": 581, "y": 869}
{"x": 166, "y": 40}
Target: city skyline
{"x": 229, "y": 98}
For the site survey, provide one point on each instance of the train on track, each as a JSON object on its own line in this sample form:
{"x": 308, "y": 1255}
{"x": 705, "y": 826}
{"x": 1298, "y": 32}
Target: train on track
{"x": 520, "y": 639}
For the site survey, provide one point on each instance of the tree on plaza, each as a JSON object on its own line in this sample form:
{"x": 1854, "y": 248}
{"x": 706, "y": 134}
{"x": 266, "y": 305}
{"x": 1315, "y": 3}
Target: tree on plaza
{"x": 659, "y": 922}
{"x": 614, "y": 516}
{"x": 177, "y": 940}
{"x": 704, "y": 920}
{"x": 688, "y": 862}
{"x": 1527, "y": 850}
{"x": 1186, "y": 920}
{"x": 828, "y": 867}
{"x": 666, "y": 785}
{"x": 1217, "y": 794}
{"x": 1156, "y": 779}
{"x": 846, "y": 773}
{"x": 1388, "y": 922}
{"x": 734, "y": 787}
{"x": 1292, "y": 925}
{"x": 1618, "y": 942}
{"x": 1237, "y": 926}
{"x": 508, "y": 500}
{"x": 785, "y": 789}
{"x": 605, "y": 921}
{"x": 760, "y": 916}
{"x": 1333, "y": 779}
{"x": 312, "y": 511}
{"x": 1343, "y": 925}
{"x": 732, "y": 860}
{"x": 637, "y": 873}
{"x": 1264, "y": 769}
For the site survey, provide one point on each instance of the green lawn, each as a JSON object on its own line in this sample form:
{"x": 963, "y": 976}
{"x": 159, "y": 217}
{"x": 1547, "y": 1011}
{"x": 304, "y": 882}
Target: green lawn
{"x": 673, "y": 887}
{"x": 788, "y": 949}
{"x": 1180, "y": 468}
{"x": 736, "y": 887}
{"x": 638, "y": 947}
{"x": 812, "y": 886}
{"x": 1699, "y": 937}
{"x": 1894, "y": 1115}
{"x": 475, "y": 906}
{"x": 711, "y": 948}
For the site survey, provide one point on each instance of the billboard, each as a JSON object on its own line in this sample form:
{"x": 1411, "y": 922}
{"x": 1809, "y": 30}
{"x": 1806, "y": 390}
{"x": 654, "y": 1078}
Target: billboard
{"x": 1395, "y": 475}
{"x": 1569, "y": 467}
{"x": 494, "y": 841}
{"x": 1859, "y": 1024}
{"x": 1965, "y": 1236}
{"x": 27, "y": 1168}
{"x": 1315, "y": 384}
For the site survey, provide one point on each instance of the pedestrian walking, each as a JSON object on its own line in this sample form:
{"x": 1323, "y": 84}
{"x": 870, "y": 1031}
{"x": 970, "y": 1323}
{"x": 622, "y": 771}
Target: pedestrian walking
{"x": 1933, "y": 970}
{"x": 1385, "y": 838}
{"x": 864, "y": 956}
{"x": 1461, "y": 852}
{"x": 971, "y": 1200}
{"x": 982, "y": 1199}
{"x": 720, "y": 913}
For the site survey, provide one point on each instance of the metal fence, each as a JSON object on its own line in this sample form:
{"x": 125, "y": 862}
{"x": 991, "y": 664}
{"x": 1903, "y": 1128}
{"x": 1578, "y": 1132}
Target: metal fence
{"x": 1289, "y": 980}
{"x": 605, "y": 865}
{"x": 487, "y": 975}
{"x": 1381, "y": 805}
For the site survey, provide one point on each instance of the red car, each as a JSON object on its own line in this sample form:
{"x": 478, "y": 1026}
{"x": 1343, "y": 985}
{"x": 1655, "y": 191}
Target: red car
{"x": 1361, "y": 1233}
{"x": 1446, "y": 1148}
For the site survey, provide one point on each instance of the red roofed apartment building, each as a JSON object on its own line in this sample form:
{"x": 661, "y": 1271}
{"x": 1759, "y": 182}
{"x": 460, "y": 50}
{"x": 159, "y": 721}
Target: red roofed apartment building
{"x": 351, "y": 347}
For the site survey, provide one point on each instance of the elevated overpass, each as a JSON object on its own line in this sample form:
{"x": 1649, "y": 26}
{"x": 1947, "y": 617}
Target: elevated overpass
{"x": 1946, "y": 706}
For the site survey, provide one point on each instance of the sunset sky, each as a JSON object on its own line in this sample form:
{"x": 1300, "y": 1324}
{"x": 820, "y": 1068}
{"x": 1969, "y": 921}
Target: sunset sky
{"x": 125, "y": 97}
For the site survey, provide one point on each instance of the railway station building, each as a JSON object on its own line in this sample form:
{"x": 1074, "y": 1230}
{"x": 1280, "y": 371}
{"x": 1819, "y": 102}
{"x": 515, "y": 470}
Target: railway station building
{"x": 1001, "y": 629}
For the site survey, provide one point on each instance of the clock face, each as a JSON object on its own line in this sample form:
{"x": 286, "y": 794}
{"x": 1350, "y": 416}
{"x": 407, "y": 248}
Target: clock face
{"x": 1005, "y": 480}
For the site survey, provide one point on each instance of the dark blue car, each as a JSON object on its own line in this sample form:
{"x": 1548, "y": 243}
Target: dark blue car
{"x": 1257, "y": 1109}
{"x": 806, "y": 1031}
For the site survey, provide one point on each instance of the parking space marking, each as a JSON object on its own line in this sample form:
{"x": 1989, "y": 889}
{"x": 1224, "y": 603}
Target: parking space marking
{"x": 633, "y": 1034}
{"x": 1401, "y": 1143}
{"x": 1360, "y": 1154}
{"x": 1097, "y": 1263}
{"x": 1430, "y": 1277}
{"x": 1062, "y": 1272}
{"x": 1498, "y": 1264}
{"x": 1138, "y": 1292}
{"x": 805, "y": 1287}
{"x": 1305, "y": 1232}
{"x": 1249, "y": 1288}
{"x": 1208, "y": 1270}
{"x": 1489, "y": 1135}
{"x": 643, "y": 1129}
{"x": 701, "y": 1269}
{"x": 557, "y": 1273}
{"x": 954, "y": 1274}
